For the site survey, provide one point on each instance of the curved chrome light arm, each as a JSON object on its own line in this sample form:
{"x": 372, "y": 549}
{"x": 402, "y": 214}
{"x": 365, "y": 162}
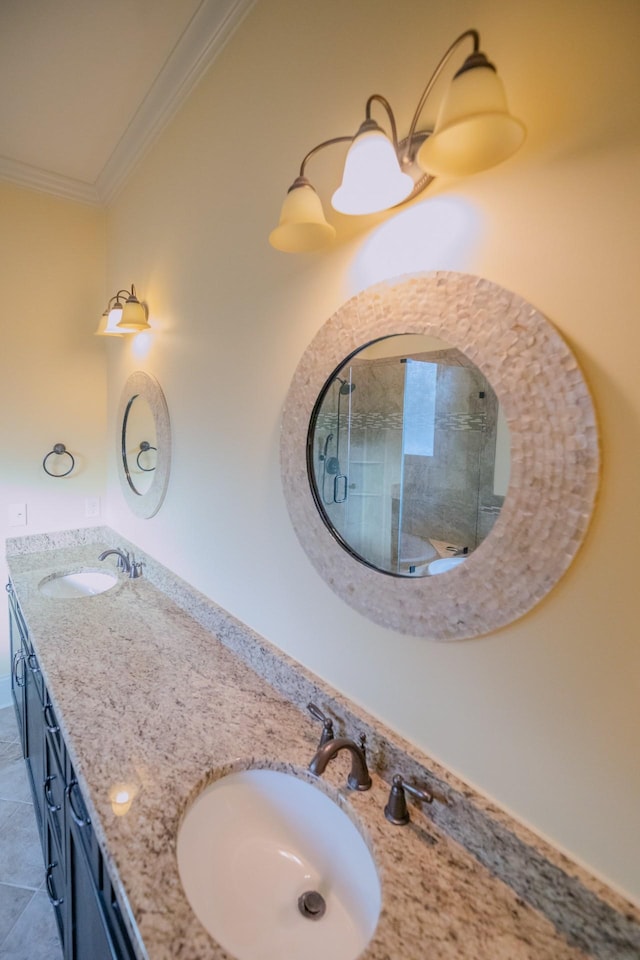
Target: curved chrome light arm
{"x": 419, "y": 156}
{"x": 407, "y": 142}
{"x": 121, "y": 295}
{"x": 321, "y": 146}
{"x": 434, "y": 76}
{"x": 392, "y": 120}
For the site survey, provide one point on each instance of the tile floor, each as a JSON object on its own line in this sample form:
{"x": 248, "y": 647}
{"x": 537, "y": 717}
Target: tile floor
{"x": 27, "y": 925}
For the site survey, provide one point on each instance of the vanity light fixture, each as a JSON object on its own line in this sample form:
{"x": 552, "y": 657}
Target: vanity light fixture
{"x": 474, "y": 130}
{"x": 124, "y": 313}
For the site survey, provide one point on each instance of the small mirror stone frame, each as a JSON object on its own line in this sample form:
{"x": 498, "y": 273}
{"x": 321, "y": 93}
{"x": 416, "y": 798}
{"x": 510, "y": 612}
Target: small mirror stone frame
{"x": 555, "y": 459}
{"x": 141, "y": 384}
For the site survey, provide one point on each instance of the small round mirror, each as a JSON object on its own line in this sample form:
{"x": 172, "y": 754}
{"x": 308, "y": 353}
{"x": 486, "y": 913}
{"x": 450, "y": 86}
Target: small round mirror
{"x": 139, "y": 444}
{"x": 408, "y": 455}
{"x": 144, "y": 444}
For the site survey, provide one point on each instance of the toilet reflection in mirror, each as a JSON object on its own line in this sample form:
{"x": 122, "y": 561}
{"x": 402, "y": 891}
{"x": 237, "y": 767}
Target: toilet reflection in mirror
{"x": 408, "y": 455}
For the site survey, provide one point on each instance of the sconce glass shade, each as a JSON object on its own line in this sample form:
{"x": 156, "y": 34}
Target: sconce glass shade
{"x": 134, "y": 316}
{"x": 372, "y": 178}
{"x": 108, "y": 325}
{"x": 302, "y": 226}
{"x": 474, "y": 129}
{"x": 115, "y": 315}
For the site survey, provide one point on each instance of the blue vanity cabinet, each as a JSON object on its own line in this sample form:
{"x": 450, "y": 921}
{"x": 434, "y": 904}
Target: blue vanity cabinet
{"x": 19, "y": 653}
{"x": 77, "y": 882}
{"x": 27, "y": 687}
{"x": 87, "y": 930}
{"x": 55, "y": 880}
{"x": 34, "y": 710}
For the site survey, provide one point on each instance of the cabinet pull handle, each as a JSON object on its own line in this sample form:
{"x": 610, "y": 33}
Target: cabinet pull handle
{"x": 19, "y": 680}
{"x": 33, "y": 663}
{"x": 53, "y": 899}
{"x": 51, "y": 726}
{"x": 52, "y": 805}
{"x": 81, "y": 821}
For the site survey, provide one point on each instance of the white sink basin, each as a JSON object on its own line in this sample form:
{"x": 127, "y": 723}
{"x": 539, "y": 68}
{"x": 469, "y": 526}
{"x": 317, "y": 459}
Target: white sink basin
{"x": 252, "y": 844}
{"x": 86, "y": 583}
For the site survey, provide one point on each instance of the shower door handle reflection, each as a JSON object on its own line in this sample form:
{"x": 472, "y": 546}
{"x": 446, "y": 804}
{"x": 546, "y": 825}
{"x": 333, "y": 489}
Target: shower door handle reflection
{"x": 340, "y": 483}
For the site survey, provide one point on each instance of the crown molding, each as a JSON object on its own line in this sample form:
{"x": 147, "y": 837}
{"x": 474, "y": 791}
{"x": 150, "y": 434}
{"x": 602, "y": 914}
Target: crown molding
{"x": 210, "y": 28}
{"x": 24, "y": 175}
{"x": 206, "y": 35}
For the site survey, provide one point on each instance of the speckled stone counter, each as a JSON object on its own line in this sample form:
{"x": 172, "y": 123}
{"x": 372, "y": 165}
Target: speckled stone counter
{"x": 158, "y": 688}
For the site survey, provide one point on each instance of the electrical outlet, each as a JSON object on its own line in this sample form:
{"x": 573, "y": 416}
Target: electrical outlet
{"x": 17, "y": 514}
{"x": 92, "y": 507}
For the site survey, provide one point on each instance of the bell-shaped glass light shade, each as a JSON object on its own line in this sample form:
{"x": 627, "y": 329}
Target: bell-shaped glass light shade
{"x": 108, "y": 325}
{"x": 474, "y": 129}
{"x": 134, "y": 316}
{"x": 372, "y": 178}
{"x": 302, "y": 226}
{"x": 115, "y": 315}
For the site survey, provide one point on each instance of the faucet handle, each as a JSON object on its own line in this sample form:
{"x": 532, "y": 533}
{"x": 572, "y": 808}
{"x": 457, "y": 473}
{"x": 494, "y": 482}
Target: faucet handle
{"x": 396, "y": 810}
{"x": 135, "y": 569}
{"x": 327, "y": 723}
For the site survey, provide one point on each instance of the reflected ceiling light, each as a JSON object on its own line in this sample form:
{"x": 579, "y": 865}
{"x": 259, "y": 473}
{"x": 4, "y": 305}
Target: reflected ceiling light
{"x": 124, "y": 313}
{"x": 474, "y": 131}
{"x": 121, "y": 797}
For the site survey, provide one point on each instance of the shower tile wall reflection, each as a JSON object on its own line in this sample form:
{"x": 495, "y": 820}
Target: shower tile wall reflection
{"x": 404, "y": 458}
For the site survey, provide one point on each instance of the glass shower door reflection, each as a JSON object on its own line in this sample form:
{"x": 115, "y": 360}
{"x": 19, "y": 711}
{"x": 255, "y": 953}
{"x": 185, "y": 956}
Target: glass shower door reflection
{"x": 404, "y": 459}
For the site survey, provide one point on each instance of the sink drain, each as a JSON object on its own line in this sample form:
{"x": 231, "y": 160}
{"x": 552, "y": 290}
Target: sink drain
{"x": 312, "y": 905}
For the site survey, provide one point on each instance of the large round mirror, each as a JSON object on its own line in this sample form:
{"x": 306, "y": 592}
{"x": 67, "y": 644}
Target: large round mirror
{"x": 383, "y": 490}
{"x": 408, "y": 455}
{"x": 144, "y": 444}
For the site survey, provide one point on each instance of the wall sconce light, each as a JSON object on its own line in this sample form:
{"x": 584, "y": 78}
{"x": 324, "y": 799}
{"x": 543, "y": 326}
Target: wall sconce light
{"x": 123, "y": 314}
{"x": 474, "y": 130}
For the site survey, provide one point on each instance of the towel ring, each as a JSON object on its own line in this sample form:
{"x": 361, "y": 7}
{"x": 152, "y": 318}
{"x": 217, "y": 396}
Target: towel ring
{"x": 59, "y": 449}
{"x": 144, "y": 446}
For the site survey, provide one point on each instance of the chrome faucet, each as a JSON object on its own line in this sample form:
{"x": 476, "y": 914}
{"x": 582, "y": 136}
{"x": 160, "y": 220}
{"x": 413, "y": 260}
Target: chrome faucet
{"x": 359, "y": 778}
{"x": 124, "y": 563}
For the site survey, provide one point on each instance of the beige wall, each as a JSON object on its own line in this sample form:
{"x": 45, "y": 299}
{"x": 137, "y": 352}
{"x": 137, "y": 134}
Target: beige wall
{"x": 52, "y": 369}
{"x": 542, "y": 716}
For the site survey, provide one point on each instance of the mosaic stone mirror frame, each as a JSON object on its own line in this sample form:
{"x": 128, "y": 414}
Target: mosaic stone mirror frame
{"x": 141, "y": 384}
{"x": 554, "y": 454}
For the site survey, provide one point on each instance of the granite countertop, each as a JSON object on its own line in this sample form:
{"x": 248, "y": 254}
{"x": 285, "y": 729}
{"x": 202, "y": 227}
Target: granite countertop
{"x": 148, "y": 696}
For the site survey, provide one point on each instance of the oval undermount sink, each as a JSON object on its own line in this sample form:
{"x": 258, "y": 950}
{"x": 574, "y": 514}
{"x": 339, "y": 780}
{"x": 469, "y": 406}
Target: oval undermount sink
{"x": 256, "y": 848}
{"x": 85, "y": 583}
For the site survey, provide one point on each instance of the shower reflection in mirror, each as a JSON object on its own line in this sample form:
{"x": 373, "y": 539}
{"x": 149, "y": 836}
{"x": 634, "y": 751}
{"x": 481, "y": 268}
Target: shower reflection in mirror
{"x": 334, "y": 484}
{"x": 408, "y": 455}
